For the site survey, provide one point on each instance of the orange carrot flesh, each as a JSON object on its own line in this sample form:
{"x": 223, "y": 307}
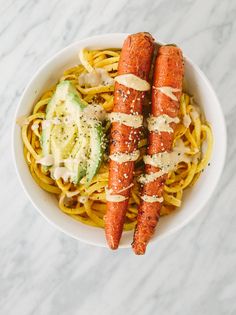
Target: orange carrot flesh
{"x": 135, "y": 58}
{"x": 169, "y": 71}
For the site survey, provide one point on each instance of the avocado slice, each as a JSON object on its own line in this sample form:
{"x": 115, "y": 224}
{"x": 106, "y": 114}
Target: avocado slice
{"x": 64, "y": 99}
{"x": 71, "y": 137}
{"x": 77, "y": 163}
{"x": 96, "y": 151}
{"x": 62, "y": 141}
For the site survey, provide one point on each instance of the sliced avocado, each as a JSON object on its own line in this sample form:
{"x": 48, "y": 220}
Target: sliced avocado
{"x": 65, "y": 101}
{"x": 63, "y": 89}
{"x": 79, "y": 155}
{"x": 95, "y": 152}
{"x": 71, "y": 137}
{"x": 62, "y": 141}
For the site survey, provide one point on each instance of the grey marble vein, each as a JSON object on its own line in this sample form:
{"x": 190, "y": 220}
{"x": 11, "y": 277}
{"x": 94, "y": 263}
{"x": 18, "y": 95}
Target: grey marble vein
{"x": 44, "y": 272}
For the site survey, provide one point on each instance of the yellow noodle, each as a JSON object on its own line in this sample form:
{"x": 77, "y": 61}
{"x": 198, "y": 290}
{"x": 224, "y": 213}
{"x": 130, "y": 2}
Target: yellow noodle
{"x": 62, "y": 186}
{"x": 172, "y": 200}
{"x": 40, "y": 104}
{"x": 111, "y": 67}
{"x": 96, "y": 90}
{"x": 191, "y": 139}
{"x": 207, "y": 155}
{"x": 44, "y": 178}
{"x": 99, "y": 58}
{"x": 92, "y": 211}
{"x": 130, "y": 226}
{"x": 186, "y": 182}
{"x": 49, "y": 188}
{"x": 84, "y": 220}
{"x": 107, "y": 52}
{"x": 197, "y": 131}
{"x": 99, "y": 206}
{"x": 106, "y": 62}
{"x": 92, "y": 215}
{"x": 67, "y": 210}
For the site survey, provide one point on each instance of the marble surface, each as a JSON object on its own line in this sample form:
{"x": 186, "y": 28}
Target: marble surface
{"x": 44, "y": 272}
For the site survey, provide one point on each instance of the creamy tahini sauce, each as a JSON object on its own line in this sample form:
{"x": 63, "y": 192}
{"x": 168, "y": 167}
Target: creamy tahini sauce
{"x": 47, "y": 160}
{"x": 186, "y": 121}
{"x": 194, "y": 114}
{"x": 56, "y": 121}
{"x": 91, "y": 112}
{"x": 97, "y": 77}
{"x": 134, "y": 121}
{"x": 151, "y": 199}
{"x": 83, "y": 199}
{"x": 148, "y": 178}
{"x": 166, "y": 161}
{"x": 169, "y": 91}
{"x": 132, "y": 81}
{"x": 125, "y": 157}
{"x": 161, "y": 123}
{"x": 125, "y": 188}
{"x": 169, "y": 160}
{"x": 114, "y": 198}
{"x": 35, "y": 126}
{"x": 61, "y": 172}
{"x": 70, "y": 194}
{"x": 94, "y": 111}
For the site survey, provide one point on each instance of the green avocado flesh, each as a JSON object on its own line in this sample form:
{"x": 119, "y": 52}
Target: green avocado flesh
{"x": 74, "y": 141}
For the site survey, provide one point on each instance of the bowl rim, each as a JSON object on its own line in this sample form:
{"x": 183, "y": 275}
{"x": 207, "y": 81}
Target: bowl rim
{"x": 202, "y": 203}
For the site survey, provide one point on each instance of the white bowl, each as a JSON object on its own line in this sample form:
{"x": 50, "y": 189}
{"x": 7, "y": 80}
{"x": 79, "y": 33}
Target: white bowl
{"x": 194, "y": 199}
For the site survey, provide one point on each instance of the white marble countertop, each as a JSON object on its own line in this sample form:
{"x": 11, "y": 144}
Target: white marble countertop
{"x": 44, "y": 272}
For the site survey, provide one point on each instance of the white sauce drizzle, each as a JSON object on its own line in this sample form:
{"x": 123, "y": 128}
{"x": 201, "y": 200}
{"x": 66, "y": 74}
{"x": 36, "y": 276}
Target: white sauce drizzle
{"x": 125, "y": 157}
{"x": 61, "y": 172}
{"x": 47, "y": 160}
{"x": 151, "y": 199}
{"x": 98, "y": 77}
{"x": 94, "y": 111}
{"x": 186, "y": 121}
{"x": 125, "y": 188}
{"x": 83, "y": 199}
{"x": 194, "y": 114}
{"x": 166, "y": 161}
{"x": 134, "y": 121}
{"x": 148, "y": 178}
{"x": 57, "y": 121}
{"x": 168, "y": 91}
{"x": 114, "y": 198}
{"x": 132, "y": 81}
{"x": 70, "y": 194}
{"x": 35, "y": 126}
{"x": 161, "y": 123}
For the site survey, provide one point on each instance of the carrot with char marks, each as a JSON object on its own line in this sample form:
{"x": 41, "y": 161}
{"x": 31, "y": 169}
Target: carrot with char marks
{"x": 166, "y": 93}
{"x": 135, "y": 59}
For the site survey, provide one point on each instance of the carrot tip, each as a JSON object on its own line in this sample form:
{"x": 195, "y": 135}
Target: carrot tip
{"x": 139, "y": 248}
{"x": 113, "y": 247}
{"x": 113, "y": 243}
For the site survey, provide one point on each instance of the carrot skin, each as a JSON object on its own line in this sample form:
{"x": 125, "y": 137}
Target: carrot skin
{"x": 135, "y": 58}
{"x": 168, "y": 71}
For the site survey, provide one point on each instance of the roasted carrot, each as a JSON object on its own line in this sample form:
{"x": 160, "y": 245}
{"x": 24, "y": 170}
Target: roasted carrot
{"x": 135, "y": 59}
{"x": 168, "y": 72}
